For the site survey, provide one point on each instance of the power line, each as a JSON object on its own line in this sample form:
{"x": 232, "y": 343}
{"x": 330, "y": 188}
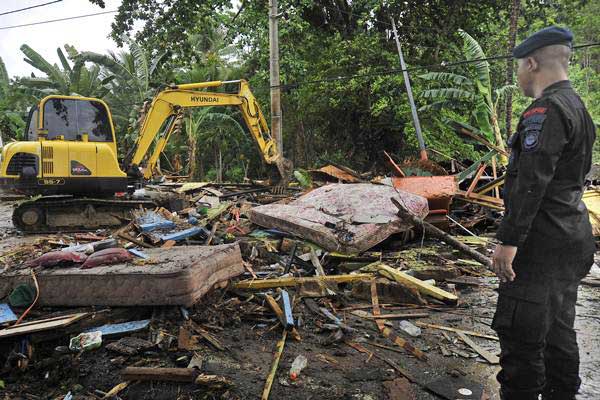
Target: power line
{"x": 58, "y": 20}
{"x": 29, "y": 8}
{"x": 395, "y": 71}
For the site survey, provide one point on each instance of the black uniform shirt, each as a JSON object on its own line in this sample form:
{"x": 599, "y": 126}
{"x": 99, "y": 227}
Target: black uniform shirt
{"x": 551, "y": 153}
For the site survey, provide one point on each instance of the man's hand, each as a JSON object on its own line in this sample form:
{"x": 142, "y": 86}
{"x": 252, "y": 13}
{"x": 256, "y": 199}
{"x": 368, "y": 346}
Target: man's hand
{"x": 502, "y": 262}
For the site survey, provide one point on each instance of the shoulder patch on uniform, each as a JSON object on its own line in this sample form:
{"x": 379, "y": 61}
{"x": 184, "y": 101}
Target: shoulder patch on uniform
{"x": 535, "y": 110}
{"x": 531, "y": 128}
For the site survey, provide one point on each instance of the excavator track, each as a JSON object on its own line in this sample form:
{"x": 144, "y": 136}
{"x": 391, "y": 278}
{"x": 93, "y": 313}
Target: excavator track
{"x": 73, "y": 214}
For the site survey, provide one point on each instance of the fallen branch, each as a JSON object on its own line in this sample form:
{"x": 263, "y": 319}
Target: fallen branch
{"x": 440, "y": 234}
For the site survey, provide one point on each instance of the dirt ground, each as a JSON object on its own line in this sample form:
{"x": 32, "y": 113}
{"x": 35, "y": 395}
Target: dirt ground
{"x": 249, "y": 333}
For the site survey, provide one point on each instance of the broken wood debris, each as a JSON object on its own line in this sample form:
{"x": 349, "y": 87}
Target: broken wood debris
{"x": 390, "y": 334}
{"x": 257, "y": 284}
{"x": 274, "y": 365}
{"x": 489, "y": 357}
{"x": 456, "y": 330}
{"x": 438, "y": 233}
{"x": 411, "y": 281}
{"x": 41, "y": 325}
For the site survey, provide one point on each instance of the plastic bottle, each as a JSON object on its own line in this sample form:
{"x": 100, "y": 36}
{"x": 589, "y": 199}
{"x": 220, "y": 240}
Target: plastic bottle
{"x": 298, "y": 365}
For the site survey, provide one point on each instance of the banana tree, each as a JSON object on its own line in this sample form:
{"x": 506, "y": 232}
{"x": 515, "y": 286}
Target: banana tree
{"x": 11, "y": 120}
{"x": 130, "y": 74}
{"x": 72, "y": 79}
{"x": 475, "y": 91}
{"x": 211, "y": 129}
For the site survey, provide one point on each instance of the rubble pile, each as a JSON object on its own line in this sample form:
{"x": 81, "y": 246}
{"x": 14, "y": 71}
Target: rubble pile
{"x": 237, "y": 291}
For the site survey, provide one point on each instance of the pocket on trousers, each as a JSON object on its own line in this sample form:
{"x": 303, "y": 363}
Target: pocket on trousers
{"x": 521, "y": 313}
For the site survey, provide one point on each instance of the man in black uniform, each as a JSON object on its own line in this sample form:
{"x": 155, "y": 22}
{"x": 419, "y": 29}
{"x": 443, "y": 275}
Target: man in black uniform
{"x": 546, "y": 237}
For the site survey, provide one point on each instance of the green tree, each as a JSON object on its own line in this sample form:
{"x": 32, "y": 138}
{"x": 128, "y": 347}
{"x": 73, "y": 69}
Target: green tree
{"x": 71, "y": 79}
{"x": 474, "y": 92}
{"x": 11, "y": 120}
{"x": 214, "y": 130}
{"x": 130, "y": 76}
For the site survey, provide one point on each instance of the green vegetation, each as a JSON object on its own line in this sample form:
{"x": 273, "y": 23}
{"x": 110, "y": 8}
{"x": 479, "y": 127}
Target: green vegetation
{"x": 343, "y": 95}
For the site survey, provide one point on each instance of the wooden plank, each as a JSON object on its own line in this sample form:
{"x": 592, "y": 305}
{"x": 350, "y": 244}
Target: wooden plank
{"x": 210, "y": 237}
{"x": 133, "y": 240}
{"x": 159, "y": 374}
{"x": 486, "y": 198}
{"x": 293, "y": 281}
{"x": 422, "y": 287}
{"x": 209, "y": 338}
{"x": 41, "y": 325}
{"x": 274, "y": 365}
{"x": 489, "y": 357}
{"x": 456, "y": 330}
{"x": 387, "y": 332}
{"x": 366, "y": 315}
{"x": 168, "y": 244}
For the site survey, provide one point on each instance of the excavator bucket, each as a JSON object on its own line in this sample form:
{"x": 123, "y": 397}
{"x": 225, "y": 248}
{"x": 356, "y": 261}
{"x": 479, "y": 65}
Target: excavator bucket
{"x": 283, "y": 176}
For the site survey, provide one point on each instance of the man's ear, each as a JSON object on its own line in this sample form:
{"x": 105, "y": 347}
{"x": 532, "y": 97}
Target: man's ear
{"x": 531, "y": 64}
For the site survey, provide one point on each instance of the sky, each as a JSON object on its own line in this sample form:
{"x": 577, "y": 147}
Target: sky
{"x": 86, "y": 34}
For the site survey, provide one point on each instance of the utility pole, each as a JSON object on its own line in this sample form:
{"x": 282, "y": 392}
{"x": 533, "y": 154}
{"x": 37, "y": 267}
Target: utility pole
{"x": 274, "y": 75}
{"x": 413, "y": 108}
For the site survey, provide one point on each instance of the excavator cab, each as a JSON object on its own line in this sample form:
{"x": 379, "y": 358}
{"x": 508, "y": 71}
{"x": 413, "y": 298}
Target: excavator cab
{"x": 70, "y": 149}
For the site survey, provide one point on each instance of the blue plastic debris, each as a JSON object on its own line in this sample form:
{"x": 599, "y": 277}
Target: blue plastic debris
{"x": 166, "y": 224}
{"x": 287, "y": 309}
{"x": 120, "y": 329}
{"x": 151, "y": 221}
{"x": 177, "y": 236}
{"x": 138, "y": 253}
{"x": 193, "y": 220}
{"x": 6, "y": 314}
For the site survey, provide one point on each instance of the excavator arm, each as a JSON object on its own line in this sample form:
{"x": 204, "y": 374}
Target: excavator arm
{"x": 168, "y": 103}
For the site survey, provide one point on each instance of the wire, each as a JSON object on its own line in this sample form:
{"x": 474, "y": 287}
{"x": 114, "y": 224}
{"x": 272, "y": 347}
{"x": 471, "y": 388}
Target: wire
{"x": 37, "y": 296}
{"x": 29, "y": 8}
{"x": 58, "y": 20}
{"x": 394, "y": 71}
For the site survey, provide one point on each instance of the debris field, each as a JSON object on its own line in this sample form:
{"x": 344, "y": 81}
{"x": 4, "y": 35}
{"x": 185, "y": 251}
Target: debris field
{"x": 348, "y": 287}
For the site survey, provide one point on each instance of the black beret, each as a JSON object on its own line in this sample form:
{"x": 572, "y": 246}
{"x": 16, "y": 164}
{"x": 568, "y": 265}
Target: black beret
{"x": 542, "y": 38}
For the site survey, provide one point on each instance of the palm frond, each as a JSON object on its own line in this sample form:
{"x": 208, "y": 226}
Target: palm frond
{"x": 446, "y": 77}
{"x": 38, "y": 83}
{"x": 448, "y": 94}
{"x": 63, "y": 60}
{"x": 4, "y": 78}
{"x": 37, "y": 61}
{"x": 473, "y": 51}
{"x": 501, "y": 93}
{"x": 436, "y": 106}
{"x": 155, "y": 63}
{"x": 142, "y": 70}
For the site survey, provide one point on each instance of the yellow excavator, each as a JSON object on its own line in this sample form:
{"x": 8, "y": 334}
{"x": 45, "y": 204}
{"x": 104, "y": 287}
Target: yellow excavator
{"x": 69, "y": 161}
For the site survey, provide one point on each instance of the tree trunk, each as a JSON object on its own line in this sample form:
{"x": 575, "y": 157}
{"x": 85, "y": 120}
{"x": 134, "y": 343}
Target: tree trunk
{"x": 515, "y": 10}
{"x": 220, "y": 165}
{"x": 192, "y": 156}
{"x": 201, "y": 171}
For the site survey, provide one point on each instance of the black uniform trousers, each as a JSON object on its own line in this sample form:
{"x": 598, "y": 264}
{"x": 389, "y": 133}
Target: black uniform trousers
{"x": 534, "y": 320}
